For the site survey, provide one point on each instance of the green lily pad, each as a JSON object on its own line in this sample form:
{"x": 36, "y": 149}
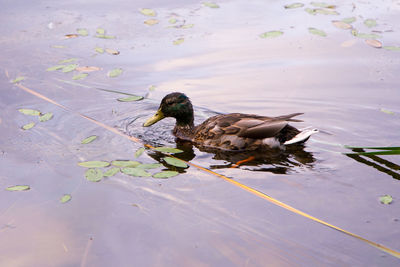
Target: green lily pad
{"x": 82, "y": 32}
{"x": 18, "y": 188}
{"x": 139, "y": 152}
{"x": 111, "y": 172}
{"x": 151, "y": 22}
{"x": 386, "y": 199}
{"x": 130, "y": 98}
{"x": 18, "y": 79}
{"x": 325, "y": 11}
{"x": 136, "y": 172}
{"x": 168, "y": 149}
{"x": 172, "y": 20}
{"x": 148, "y": 12}
{"x": 294, "y": 5}
{"x": 317, "y": 32}
{"x": 165, "y": 174}
{"x": 387, "y": 111}
{"x": 94, "y": 175}
{"x": 370, "y": 23}
{"x": 104, "y": 36}
{"x": 125, "y": 163}
{"x": 210, "y": 5}
{"x": 94, "y": 164}
{"x": 99, "y": 50}
{"x": 31, "y": 112}
{"x": 365, "y": 35}
{"x": 80, "y": 76}
{"x": 150, "y": 166}
{"x": 114, "y": 73}
{"x": 271, "y": 34}
{"x": 89, "y": 139}
{"x": 187, "y": 26}
{"x": 45, "y": 117}
{"x": 349, "y": 20}
{"x": 392, "y": 48}
{"x": 322, "y": 4}
{"x": 100, "y": 31}
{"x": 69, "y": 60}
{"x": 28, "y": 126}
{"x": 57, "y": 67}
{"x": 178, "y": 41}
{"x": 65, "y": 198}
{"x": 69, "y": 68}
{"x": 175, "y": 162}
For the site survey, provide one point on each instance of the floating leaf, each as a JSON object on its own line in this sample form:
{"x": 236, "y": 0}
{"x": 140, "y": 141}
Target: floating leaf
{"x": 175, "y": 162}
{"x": 341, "y": 25}
{"x": 114, "y": 73}
{"x": 103, "y": 36}
{"x": 310, "y": 11}
{"x": 168, "y": 149}
{"x": 94, "y": 175}
{"x": 71, "y": 35}
{"x": 69, "y": 60}
{"x": 100, "y": 31}
{"x": 89, "y": 139}
{"x": 178, "y": 41}
{"x": 111, "y": 172}
{"x": 151, "y": 22}
{"x": 387, "y": 111}
{"x": 58, "y": 46}
{"x": 325, "y": 11}
{"x": 187, "y": 26}
{"x": 392, "y": 48}
{"x": 317, "y": 32}
{"x": 373, "y": 43}
{"x": 65, "y": 198}
{"x": 87, "y": 69}
{"x": 165, "y": 174}
{"x": 150, "y": 166}
{"x": 322, "y": 4}
{"x": 210, "y": 4}
{"x": 365, "y": 35}
{"x": 349, "y": 20}
{"x": 31, "y": 112}
{"x": 125, "y": 163}
{"x": 57, "y": 67}
{"x": 18, "y": 79}
{"x": 80, "y": 76}
{"x": 69, "y": 68}
{"x": 45, "y": 117}
{"x": 172, "y": 20}
{"x": 139, "y": 152}
{"x": 18, "y": 188}
{"x": 28, "y": 126}
{"x": 99, "y": 50}
{"x": 136, "y": 172}
{"x": 94, "y": 164}
{"x": 294, "y": 5}
{"x": 82, "y": 32}
{"x": 112, "y": 51}
{"x": 271, "y": 34}
{"x": 370, "y": 23}
{"x": 148, "y": 12}
{"x": 130, "y": 98}
{"x": 386, "y": 199}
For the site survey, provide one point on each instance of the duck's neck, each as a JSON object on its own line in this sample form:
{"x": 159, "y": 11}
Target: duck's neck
{"x": 184, "y": 129}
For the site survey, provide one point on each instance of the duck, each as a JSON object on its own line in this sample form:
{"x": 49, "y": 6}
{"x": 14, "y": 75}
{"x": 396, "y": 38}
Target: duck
{"x": 231, "y": 132}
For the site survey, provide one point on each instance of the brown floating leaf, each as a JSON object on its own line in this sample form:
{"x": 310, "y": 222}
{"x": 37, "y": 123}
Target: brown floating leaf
{"x": 87, "y": 69}
{"x": 373, "y": 43}
{"x": 72, "y": 35}
{"x": 112, "y": 51}
{"x": 341, "y": 25}
{"x": 151, "y": 22}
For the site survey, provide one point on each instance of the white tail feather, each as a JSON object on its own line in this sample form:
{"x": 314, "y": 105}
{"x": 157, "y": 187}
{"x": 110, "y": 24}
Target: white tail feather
{"x": 302, "y": 136}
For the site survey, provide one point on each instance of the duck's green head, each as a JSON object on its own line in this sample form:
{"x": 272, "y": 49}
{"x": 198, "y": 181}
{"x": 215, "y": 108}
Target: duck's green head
{"x": 176, "y": 105}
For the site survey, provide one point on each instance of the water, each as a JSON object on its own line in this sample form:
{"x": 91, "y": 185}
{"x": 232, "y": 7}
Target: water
{"x": 223, "y": 66}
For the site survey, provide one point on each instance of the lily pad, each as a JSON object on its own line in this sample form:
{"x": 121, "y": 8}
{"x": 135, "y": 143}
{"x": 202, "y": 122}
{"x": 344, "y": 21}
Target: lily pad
{"x": 365, "y": 35}
{"x": 322, "y": 4}
{"x": 18, "y": 79}
{"x": 168, "y": 149}
{"x": 89, "y": 139}
{"x": 71, "y": 35}
{"x": 57, "y": 67}
{"x": 139, "y": 152}
{"x": 45, "y": 117}
{"x": 104, "y": 36}
{"x": 325, "y": 11}
{"x": 386, "y": 199}
{"x": 114, "y": 73}
{"x": 58, "y": 46}
{"x": 125, "y": 163}
{"x": 69, "y": 60}
{"x": 80, "y": 76}
{"x": 18, "y": 188}
{"x": 317, "y": 32}
{"x": 99, "y": 50}
{"x": 373, "y": 43}
{"x": 175, "y": 162}
{"x": 112, "y": 51}
{"x": 294, "y": 5}
{"x": 271, "y": 34}
{"x": 130, "y": 98}
{"x": 94, "y": 164}
{"x": 65, "y": 198}
{"x": 151, "y": 22}
{"x": 100, "y": 31}
{"x": 31, "y": 112}
{"x": 370, "y": 23}
{"x": 152, "y": 88}
{"x": 341, "y": 25}
{"x": 28, "y": 126}
{"x": 392, "y": 48}
{"x": 136, "y": 172}
{"x": 111, "y": 172}
{"x": 82, "y": 32}
{"x": 87, "y": 69}
{"x": 69, "y": 68}
{"x": 165, "y": 174}
{"x": 150, "y": 166}
{"x": 210, "y": 5}
{"x": 94, "y": 175}
{"x": 172, "y": 20}
{"x": 178, "y": 41}
{"x": 387, "y": 111}
{"x": 148, "y": 12}
{"x": 349, "y": 20}
{"x": 187, "y": 26}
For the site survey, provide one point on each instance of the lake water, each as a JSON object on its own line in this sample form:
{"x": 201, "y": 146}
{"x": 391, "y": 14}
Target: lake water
{"x": 347, "y": 89}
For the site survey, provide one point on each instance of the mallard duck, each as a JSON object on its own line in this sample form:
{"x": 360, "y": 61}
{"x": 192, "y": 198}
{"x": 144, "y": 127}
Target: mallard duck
{"x": 233, "y": 131}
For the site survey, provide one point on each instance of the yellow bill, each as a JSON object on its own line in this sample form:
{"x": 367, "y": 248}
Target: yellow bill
{"x": 157, "y": 117}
